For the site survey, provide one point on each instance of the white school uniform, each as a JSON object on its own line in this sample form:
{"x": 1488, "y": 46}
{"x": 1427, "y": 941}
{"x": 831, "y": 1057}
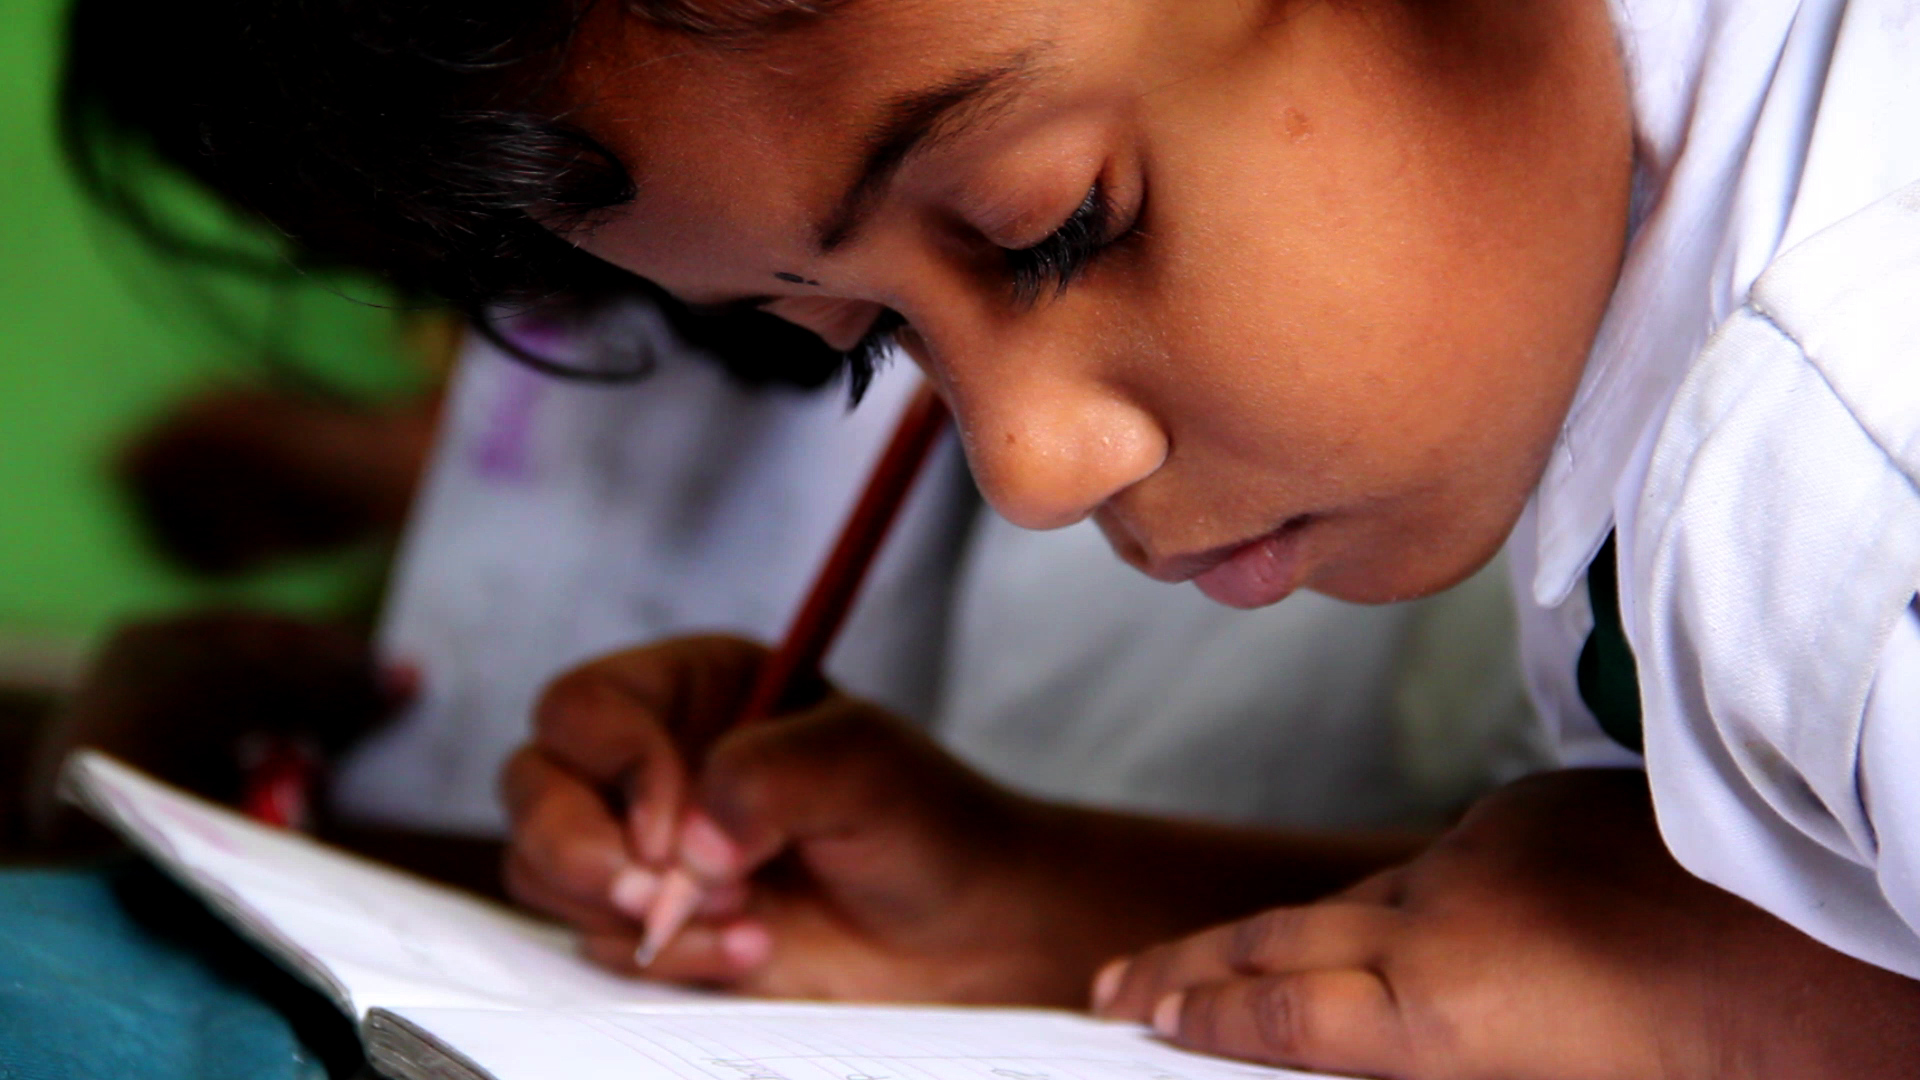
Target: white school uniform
{"x": 1749, "y": 428}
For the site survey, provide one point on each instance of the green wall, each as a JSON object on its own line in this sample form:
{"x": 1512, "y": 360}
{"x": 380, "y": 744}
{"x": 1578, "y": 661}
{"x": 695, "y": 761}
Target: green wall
{"x": 95, "y": 336}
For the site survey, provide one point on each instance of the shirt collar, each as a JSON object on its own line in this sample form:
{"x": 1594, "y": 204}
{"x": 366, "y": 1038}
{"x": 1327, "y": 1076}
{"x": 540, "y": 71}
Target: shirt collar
{"x": 1701, "y": 73}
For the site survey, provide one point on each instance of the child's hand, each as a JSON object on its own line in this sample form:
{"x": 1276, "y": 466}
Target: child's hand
{"x": 180, "y": 697}
{"x": 596, "y": 799}
{"x": 843, "y": 853}
{"x": 1550, "y": 935}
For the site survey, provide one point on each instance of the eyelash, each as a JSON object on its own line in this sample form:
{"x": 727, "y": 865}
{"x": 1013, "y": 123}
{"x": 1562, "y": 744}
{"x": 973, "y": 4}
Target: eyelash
{"x": 1048, "y": 267}
{"x": 865, "y": 360}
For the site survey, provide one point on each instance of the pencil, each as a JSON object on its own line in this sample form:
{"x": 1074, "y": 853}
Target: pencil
{"x": 812, "y": 631}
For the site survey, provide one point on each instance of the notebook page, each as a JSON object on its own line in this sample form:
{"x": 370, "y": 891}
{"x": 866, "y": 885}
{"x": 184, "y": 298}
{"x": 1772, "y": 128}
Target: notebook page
{"x": 364, "y": 933}
{"x": 817, "y": 1042}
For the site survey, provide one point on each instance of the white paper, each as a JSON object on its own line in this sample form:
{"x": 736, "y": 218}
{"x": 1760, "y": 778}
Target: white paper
{"x": 508, "y": 994}
{"x": 368, "y": 934}
{"x": 816, "y": 1042}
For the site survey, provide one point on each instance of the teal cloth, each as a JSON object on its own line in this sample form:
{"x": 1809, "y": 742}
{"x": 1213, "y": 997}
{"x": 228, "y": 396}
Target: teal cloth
{"x": 113, "y": 972}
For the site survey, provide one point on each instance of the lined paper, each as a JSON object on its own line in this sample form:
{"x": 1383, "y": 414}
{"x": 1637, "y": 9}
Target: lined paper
{"x": 449, "y": 985}
{"x": 364, "y": 933}
{"x": 822, "y": 1042}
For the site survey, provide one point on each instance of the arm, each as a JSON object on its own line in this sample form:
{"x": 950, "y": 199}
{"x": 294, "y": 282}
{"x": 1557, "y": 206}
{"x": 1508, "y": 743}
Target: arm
{"x": 1549, "y": 936}
{"x": 847, "y": 856}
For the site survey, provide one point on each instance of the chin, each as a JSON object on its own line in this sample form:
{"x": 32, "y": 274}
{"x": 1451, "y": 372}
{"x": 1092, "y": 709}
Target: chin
{"x": 1399, "y": 577}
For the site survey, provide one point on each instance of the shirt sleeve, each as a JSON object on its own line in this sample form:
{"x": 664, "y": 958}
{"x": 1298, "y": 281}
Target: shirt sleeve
{"x": 1889, "y": 759}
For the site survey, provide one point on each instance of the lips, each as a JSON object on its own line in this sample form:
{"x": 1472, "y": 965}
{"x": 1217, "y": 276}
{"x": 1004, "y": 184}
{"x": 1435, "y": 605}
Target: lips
{"x": 1261, "y": 571}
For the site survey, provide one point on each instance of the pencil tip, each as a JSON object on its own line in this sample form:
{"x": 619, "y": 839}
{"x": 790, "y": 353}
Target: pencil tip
{"x": 647, "y": 953}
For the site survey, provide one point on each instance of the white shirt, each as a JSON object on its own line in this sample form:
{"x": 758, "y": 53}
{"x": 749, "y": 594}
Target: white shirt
{"x": 1749, "y": 426}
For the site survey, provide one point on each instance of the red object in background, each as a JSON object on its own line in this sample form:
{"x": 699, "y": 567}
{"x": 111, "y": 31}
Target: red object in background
{"x": 281, "y": 775}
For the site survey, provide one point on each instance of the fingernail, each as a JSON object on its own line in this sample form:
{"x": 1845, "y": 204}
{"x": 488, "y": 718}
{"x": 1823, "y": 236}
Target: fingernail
{"x": 746, "y": 945}
{"x": 1166, "y": 1015}
{"x": 633, "y": 890}
{"x": 1107, "y": 983}
{"x": 705, "y": 849}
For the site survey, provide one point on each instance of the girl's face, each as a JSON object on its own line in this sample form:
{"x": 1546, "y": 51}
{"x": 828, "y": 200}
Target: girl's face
{"x": 1284, "y": 294}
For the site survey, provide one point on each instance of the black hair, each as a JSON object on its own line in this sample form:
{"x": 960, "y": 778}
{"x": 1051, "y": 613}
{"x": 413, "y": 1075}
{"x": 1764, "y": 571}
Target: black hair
{"x": 410, "y": 138}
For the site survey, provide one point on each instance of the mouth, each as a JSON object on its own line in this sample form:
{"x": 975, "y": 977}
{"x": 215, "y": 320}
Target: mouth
{"x": 1250, "y": 574}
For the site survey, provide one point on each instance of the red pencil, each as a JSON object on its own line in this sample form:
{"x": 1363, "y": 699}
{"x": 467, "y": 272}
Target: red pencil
{"x": 811, "y": 633}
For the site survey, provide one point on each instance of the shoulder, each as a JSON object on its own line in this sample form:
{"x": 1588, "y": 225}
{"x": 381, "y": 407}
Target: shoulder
{"x": 1784, "y": 482}
{"x": 1775, "y": 544}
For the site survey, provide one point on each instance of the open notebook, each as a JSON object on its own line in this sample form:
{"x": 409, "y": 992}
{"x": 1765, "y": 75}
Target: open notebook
{"x": 448, "y": 986}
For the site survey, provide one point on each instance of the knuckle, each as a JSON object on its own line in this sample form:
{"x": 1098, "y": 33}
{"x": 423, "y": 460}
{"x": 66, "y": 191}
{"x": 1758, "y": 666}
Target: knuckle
{"x": 1147, "y": 976}
{"x": 519, "y": 880}
{"x": 535, "y": 849}
{"x": 613, "y": 952}
{"x": 1254, "y": 942}
{"x": 561, "y": 857}
{"x": 733, "y": 769}
{"x": 581, "y": 865}
{"x": 520, "y": 781}
{"x": 1280, "y": 1020}
{"x": 566, "y": 701}
{"x": 726, "y": 648}
{"x": 525, "y": 882}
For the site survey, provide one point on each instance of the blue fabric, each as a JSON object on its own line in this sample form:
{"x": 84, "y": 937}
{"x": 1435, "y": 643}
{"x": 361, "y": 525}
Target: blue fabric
{"x": 111, "y": 972}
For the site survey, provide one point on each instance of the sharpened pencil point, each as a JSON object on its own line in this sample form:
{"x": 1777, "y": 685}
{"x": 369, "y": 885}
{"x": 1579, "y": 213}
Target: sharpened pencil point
{"x": 673, "y": 905}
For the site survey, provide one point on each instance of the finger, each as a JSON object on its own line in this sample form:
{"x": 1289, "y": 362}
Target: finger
{"x": 691, "y": 687}
{"x": 612, "y": 950}
{"x": 724, "y": 901}
{"x": 566, "y": 837}
{"x": 535, "y": 892}
{"x": 1338, "y": 1021}
{"x": 844, "y": 776}
{"x": 590, "y": 726}
{"x": 632, "y": 719}
{"x": 1387, "y": 888}
{"x": 1331, "y": 934}
{"x": 719, "y": 954}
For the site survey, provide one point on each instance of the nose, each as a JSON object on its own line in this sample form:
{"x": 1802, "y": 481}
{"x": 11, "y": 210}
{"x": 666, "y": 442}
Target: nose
{"x": 1047, "y": 452}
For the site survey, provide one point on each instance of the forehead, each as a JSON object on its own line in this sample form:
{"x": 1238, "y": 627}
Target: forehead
{"x": 747, "y": 141}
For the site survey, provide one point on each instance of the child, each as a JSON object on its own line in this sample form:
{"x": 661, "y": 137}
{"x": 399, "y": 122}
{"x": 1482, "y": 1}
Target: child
{"x": 1284, "y": 295}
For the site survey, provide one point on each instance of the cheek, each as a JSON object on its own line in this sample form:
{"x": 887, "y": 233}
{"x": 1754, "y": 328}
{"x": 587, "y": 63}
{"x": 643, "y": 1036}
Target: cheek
{"x": 1347, "y": 315}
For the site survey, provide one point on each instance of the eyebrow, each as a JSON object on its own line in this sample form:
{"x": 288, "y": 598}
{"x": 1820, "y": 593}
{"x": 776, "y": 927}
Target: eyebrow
{"x": 909, "y": 124}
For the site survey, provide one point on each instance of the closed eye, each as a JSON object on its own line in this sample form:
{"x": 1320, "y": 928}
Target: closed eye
{"x": 1048, "y": 267}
